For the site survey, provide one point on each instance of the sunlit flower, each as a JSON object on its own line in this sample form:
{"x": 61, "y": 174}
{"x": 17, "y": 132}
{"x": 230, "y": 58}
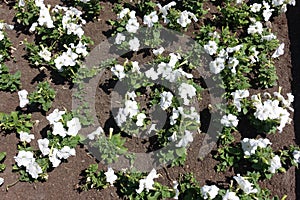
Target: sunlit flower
{"x": 244, "y": 184}
{"x": 229, "y": 120}
{"x": 74, "y": 126}
{"x": 140, "y": 119}
{"x": 150, "y": 19}
{"x": 279, "y": 51}
{"x": 209, "y": 191}
{"x": 166, "y": 100}
{"x": 274, "y": 164}
{"x": 147, "y": 183}
{"x": 65, "y": 152}
{"x": 44, "y": 146}
{"x": 26, "y": 137}
{"x": 134, "y": 44}
{"x": 23, "y": 98}
{"x": 110, "y": 176}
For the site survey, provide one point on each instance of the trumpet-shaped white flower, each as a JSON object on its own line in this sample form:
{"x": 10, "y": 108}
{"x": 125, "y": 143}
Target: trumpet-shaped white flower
{"x": 238, "y": 95}
{"x": 147, "y": 183}
{"x": 184, "y": 18}
{"x": 74, "y": 126}
{"x": 118, "y": 71}
{"x": 65, "y": 152}
{"x": 123, "y": 13}
{"x": 55, "y": 116}
{"x": 165, "y": 9}
{"x": 257, "y": 27}
{"x": 110, "y": 176}
{"x": 245, "y": 185}
{"x": 53, "y": 158}
{"x": 209, "y": 191}
{"x": 274, "y": 164}
{"x": 45, "y": 54}
{"x": 267, "y": 13}
{"x": 131, "y": 108}
{"x": 186, "y": 92}
{"x": 119, "y": 38}
{"x": 230, "y": 120}
{"x": 26, "y": 137}
{"x": 58, "y": 129}
{"x": 134, "y": 44}
{"x": 249, "y": 146}
{"x": 186, "y": 139}
{"x": 158, "y": 51}
{"x": 296, "y": 156}
{"x": 255, "y": 7}
{"x": 150, "y": 19}
{"x": 34, "y": 169}
{"x": 211, "y": 47}
{"x": 151, "y": 73}
{"x": 44, "y": 146}
{"x": 1, "y": 181}
{"x": 45, "y": 18}
{"x": 166, "y": 100}
{"x": 23, "y": 98}
{"x": 132, "y": 25}
{"x": 95, "y": 133}
{"x": 24, "y": 158}
{"x": 217, "y": 65}
{"x": 279, "y": 51}
{"x": 175, "y": 188}
{"x": 140, "y": 119}
{"x": 230, "y": 196}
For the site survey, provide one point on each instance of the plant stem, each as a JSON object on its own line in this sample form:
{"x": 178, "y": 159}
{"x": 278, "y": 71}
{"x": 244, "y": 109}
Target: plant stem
{"x": 12, "y": 184}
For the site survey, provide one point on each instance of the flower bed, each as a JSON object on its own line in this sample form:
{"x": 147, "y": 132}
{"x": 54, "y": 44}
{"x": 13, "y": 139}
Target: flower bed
{"x": 203, "y": 116}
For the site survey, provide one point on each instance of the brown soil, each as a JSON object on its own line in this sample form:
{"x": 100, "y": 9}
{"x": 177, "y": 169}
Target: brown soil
{"x": 63, "y": 181}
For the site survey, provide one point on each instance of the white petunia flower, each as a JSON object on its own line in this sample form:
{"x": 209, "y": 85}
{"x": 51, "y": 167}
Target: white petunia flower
{"x": 186, "y": 139}
{"x": 244, "y": 184}
{"x": 230, "y": 196}
{"x": 184, "y": 18}
{"x": 217, "y": 65}
{"x": 134, "y": 44}
{"x": 26, "y": 137}
{"x": 24, "y": 158}
{"x": 140, "y": 119}
{"x": 267, "y": 13}
{"x": 211, "y": 48}
{"x": 65, "y": 152}
{"x": 158, "y": 51}
{"x": 257, "y": 27}
{"x": 118, "y": 71}
{"x": 123, "y": 13}
{"x": 45, "y": 54}
{"x": 110, "y": 176}
{"x": 93, "y": 135}
{"x": 274, "y": 164}
{"x": 175, "y": 188}
{"x": 131, "y": 108}
{"x": 209, "y": 191}
{"x": 121, "y": 116}
{"x": 132, "y": 25}
{"x": 33, "y": 26}
{"x": 23, "y": 98}
{"x": 45, "y": 18}
{"x": 166, "y": 100}
{"x": 74, "y": 126}
{"x": 58, "y": 129}
{"x": 269, "y": 37}
{"x": 120, "y": 38}
{"x": 255, "y": 7}
{"x": 279, "y": 51}
{"x": 174, "y": 116}
{"x": 229, "y": 120}
{"x": 238, "y": 95}
{"x": 1, "y": 181}
{"x": 55, "y": 116}
{"x": 150, "y": 19}
{"x": 164, "y": 10}
{"x": 296, "y": 156}
{"x": 151, "y": 73}
{"x": 53, "y": 158}
{"x": 135, "y": 67}
{"x": 34, "y": 169}
{"x": 186, "y": 92}
{"x": 44, "y": 146}
{"x": 147, "y": 183}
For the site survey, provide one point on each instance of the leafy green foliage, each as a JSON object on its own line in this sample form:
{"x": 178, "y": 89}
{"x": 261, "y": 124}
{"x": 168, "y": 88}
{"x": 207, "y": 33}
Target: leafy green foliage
{"x": 9, "y": 82}
{"x": 43, "y": 95}
{"x": 2, "y": 158}
{"x": 15, "y": 121}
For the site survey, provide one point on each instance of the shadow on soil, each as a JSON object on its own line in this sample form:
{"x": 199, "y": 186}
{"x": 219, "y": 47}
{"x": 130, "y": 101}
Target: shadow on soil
{"x": 294, "y": 34}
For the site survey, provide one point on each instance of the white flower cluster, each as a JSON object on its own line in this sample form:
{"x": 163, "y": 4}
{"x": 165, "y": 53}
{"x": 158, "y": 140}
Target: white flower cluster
{"x": 217, "y": 65}
{"x": 72, "y": 21}
{"x": 147, "y": 183}
{"x": 165, "y": 100}
{"x": 274, "y": 164}
{"x": 130, "y": 110}
{"x": 150, "y": 19}
{"x": 26, "y": 159}
{"x": 249, "y": 146}
{"x": 70, "y": 57}
{"x": 132, "y": 25}
{"x": 276, "y": 109}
